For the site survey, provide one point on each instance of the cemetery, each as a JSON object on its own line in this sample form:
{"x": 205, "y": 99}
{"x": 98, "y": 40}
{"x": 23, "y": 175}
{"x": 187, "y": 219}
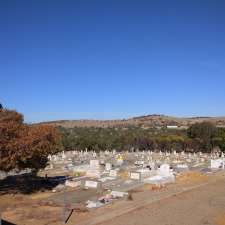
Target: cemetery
{"x": 96, "y": 179}
{"x": 85, "y": 183}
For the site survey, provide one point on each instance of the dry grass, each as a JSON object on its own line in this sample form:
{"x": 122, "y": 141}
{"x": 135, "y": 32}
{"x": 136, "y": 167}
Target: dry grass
{"x": 124, "y": 175}
{"x": 39, "y": 215}
{"x": 191, "y": 177}
{"x": 149, "y": 187}
{"x": 41, "y": 195}
{"x": 220, "y": 220}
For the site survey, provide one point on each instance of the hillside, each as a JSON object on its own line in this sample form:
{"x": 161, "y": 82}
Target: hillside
{"x": 144, "y": 121}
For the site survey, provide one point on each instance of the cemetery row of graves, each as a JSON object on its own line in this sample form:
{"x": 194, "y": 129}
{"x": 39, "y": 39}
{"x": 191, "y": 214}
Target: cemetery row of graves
{"x": 96, "y": 179}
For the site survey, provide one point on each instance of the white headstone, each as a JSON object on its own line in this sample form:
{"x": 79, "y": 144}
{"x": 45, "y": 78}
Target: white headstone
{"x": 63, "y": 155}
{"x": 108, "y": 166}
{"x": 216, "y": 164}
{"x": 164, "y": 170}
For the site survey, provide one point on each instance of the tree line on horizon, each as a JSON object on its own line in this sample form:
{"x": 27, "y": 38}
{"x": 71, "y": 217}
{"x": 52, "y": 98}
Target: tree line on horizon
{"x": 198, "y": 137}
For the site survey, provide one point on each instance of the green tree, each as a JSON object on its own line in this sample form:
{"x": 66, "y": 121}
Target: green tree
{"x": 219, "y": 138}
{"x": 204, "y": 132}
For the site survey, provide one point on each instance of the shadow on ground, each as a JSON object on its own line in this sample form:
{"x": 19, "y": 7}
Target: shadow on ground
{"x": 4, "y": 222}
{"x": 27, "y": 184}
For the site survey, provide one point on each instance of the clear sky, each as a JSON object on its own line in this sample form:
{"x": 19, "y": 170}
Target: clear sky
{"x": 112, "y": 58}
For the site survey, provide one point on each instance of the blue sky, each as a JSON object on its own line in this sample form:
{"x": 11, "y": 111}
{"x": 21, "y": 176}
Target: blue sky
{"x": 112, "y": 59}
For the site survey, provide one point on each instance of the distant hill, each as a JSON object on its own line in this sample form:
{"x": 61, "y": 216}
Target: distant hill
{"x": 144, "y": 121}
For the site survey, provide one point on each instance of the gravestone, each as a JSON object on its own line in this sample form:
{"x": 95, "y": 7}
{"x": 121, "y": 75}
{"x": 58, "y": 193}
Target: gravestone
{"x": 108, "y": 166}
{"x": 94, "y": 164}
{"x": 135, "y": 176}
{"x": 94, "y": 169}
{"x": 164, "y": 170}
{"x": 216, "y": 164}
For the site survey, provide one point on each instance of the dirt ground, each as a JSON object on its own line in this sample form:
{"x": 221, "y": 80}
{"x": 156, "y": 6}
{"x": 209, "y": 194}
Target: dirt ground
{"x": 193, "y": 200}
{"x": 202, "y": 206}
{"x": 20, "y": 209}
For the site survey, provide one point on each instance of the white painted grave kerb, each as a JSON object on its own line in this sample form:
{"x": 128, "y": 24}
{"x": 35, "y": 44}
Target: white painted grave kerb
{"x": 135, "y": 176}
{"x": 91, "y": 184}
